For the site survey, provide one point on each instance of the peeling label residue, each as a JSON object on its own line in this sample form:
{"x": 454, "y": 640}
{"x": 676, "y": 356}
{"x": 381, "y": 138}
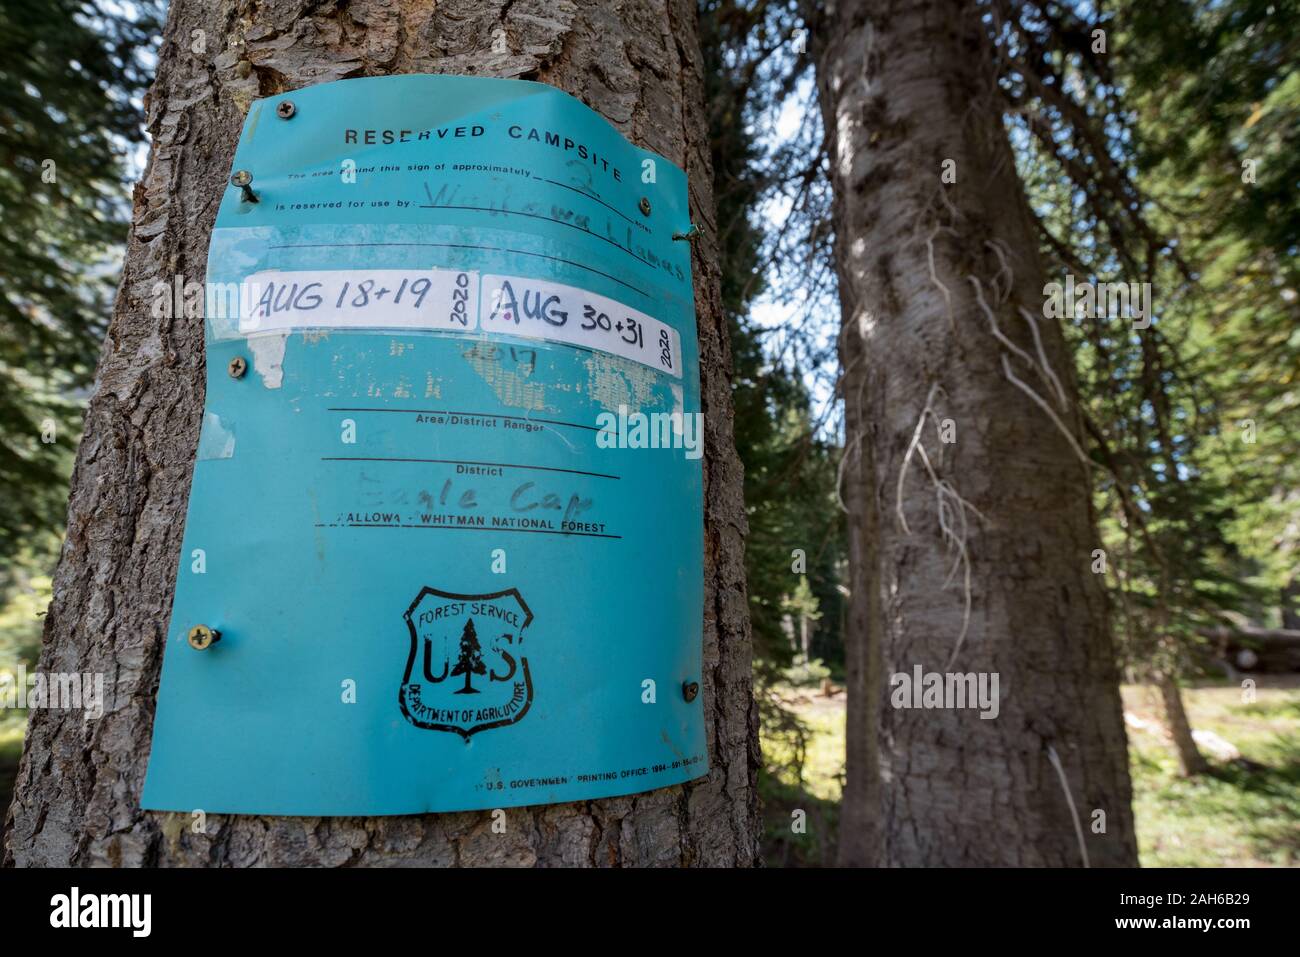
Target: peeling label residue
{"x": 216, "y": 438}
{"x": 268, "y": 358}
{"x": 615, "y": 382}
{"x": 679, "y": 407}
{"x": 512, "y": 388}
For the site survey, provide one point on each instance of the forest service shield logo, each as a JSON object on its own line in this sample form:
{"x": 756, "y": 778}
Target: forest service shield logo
{"x": 466, "y": 671}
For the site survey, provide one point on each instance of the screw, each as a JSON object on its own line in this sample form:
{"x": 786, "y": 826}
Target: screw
{"x": 244, "y": 180}
{"x": 202, "y": 637}
{"x": 644, "y": 206}
{"x": 285, "y": 110}
{"x": 238, "y": 366}
{"x": 690, "y": 689}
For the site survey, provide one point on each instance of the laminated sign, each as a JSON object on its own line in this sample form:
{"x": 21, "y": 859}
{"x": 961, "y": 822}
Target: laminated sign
{"x": 445, "y": 537}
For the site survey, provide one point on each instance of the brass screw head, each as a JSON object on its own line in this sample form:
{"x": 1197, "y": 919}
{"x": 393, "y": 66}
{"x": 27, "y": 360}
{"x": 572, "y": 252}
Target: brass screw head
{"x": 202, "y": 637}
{"x": 244, "y": 180}
{"x": 690, "y": 689}
{"x": 644, "y": 206}
{"x": 285, "y": 110}
{"x": 238, "y": 366}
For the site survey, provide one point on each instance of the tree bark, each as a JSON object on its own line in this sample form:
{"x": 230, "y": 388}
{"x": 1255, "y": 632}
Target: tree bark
{"x": 860, "y": 825}
{"x": 991, "y": 484}
{"x": 637, "y": 63}
{"x": 1291, "y": 605}
{"x": 1190, "y": 759}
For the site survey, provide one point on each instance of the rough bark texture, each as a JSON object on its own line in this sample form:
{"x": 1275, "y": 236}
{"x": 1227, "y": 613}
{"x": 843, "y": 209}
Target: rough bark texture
{"x": 905, "y": 86}
{"x": 77, "y": 803}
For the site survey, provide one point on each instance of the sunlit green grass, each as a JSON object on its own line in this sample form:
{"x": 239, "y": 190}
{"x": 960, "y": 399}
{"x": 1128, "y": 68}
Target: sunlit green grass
{"x": 816, "y": 792}
{"x": 12, "y": 727}
{"x": 1245, "y": 813}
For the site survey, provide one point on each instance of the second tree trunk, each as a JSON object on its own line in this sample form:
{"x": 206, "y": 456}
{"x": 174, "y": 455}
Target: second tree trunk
{"x": 970, "y": 503}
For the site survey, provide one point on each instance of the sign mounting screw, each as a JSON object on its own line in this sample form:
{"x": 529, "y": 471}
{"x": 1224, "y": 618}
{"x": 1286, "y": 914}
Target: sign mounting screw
{"x": 238, "y": 366}
{"x": 244, "y": 180}
{"x": 690, "y": 689}
{"x": 202, "y": 637}
{"x": 644, "y": 206}
{"x": 285, "y": 110}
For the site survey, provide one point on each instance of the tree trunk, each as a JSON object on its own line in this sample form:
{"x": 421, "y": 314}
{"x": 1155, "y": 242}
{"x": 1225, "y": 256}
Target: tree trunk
{"x": 1190, "y": 759}
{"x": 994, "y": 502}
{"x": 77, "y": 802}
{"x": 1291, "y": 605}
{"x": 860, "y": 825}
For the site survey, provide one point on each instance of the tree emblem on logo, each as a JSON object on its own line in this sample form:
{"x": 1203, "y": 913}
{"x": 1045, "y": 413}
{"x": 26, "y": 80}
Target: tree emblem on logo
{"x": 449, "y": 660}
{"x": 470, "y": 662}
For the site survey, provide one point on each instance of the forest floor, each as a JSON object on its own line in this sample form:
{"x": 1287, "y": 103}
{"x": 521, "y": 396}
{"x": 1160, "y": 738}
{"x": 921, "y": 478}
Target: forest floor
{"x": 12, "y": 727}
{"x": 1244, "y": 813}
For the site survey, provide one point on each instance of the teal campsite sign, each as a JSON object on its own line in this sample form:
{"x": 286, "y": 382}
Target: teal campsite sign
{"x": 443, "y": 548}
